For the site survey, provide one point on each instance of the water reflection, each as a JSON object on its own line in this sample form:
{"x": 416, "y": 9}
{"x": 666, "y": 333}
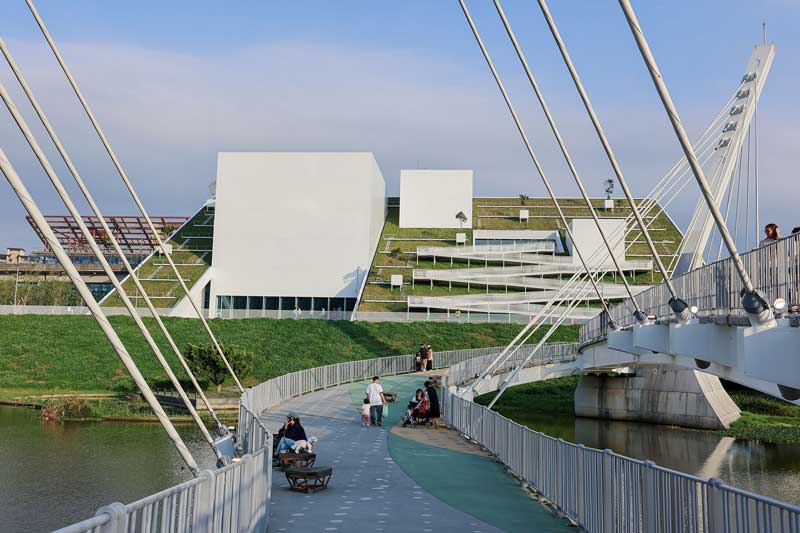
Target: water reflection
{"x": 769, "y": 469}
{"x": 52, "y": 474}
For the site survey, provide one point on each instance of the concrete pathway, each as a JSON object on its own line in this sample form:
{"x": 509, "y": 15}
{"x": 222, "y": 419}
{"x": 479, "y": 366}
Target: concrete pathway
{"x": 384, "y": 481}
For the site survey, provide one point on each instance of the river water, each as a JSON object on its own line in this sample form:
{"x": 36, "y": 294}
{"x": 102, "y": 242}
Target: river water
{"x": 53, "y": 474}
{"x": 769, "y": 469}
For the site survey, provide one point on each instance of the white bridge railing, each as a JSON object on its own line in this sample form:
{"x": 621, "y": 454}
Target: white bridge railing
{"x": 604, "y": 491}
{"x": 599, "y": 489}
{"x": 715, "y": 287}
{"x": 237, "y": 497}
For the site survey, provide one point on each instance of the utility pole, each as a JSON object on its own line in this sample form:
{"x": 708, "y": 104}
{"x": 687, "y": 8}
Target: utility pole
{"x": 16, "y": 284}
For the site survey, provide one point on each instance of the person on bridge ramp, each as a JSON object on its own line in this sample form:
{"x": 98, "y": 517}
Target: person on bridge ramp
{"x": 376, "y": 401}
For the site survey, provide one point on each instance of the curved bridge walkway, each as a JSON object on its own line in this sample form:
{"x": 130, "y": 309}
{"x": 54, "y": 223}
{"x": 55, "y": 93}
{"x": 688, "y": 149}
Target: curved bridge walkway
{"x": 397, "y": 479}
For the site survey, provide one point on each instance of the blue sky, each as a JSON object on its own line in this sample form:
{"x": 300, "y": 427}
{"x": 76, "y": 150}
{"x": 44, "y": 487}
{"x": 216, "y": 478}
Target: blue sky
{"x": 176, "y": 82}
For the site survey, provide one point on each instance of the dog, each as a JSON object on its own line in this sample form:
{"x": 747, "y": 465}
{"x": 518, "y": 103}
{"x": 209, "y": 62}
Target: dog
{"x": 304, "y": 446}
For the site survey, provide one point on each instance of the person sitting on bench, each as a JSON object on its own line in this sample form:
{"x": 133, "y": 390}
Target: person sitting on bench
{"x": 290, "y": 432}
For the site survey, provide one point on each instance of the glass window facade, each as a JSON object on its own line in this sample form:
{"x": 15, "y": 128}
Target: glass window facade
{"x": 285, "y": 303}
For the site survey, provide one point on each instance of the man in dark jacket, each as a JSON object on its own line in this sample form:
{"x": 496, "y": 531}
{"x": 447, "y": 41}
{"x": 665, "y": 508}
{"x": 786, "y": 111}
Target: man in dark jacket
{"x": 289, "y": 433}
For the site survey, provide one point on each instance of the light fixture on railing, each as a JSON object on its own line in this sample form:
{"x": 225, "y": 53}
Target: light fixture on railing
{"x": 694, "y": 310}
{"x": 778, "y": 306}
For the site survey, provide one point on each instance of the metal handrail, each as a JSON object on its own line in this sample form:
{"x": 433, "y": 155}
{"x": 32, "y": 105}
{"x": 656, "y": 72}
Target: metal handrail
{"x": 715, "y": 288}
{"x": 237, "y": 497}
{"x": 605, "y": 491}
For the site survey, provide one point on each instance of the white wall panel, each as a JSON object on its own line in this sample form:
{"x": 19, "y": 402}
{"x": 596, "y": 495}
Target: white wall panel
{"x": 432, "y": 198}
{"x": 295, "y": 224}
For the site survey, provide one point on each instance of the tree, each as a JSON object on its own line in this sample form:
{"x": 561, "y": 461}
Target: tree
{"x": 523, "y": 198}
{"x": 206, "y": 362}
{"x": 461, "y": 217}
{"x": 609, "y": 184}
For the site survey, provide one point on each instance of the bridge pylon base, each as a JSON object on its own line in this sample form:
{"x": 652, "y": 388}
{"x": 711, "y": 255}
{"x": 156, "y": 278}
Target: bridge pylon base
{"x": 657, "y": 394}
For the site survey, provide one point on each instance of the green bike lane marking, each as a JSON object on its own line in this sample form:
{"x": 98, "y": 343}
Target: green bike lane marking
{"x": 471, "y": 483}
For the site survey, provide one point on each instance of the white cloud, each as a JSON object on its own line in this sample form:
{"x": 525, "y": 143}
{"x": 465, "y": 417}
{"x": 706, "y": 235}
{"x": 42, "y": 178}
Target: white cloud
{"x": 168, "y": 115}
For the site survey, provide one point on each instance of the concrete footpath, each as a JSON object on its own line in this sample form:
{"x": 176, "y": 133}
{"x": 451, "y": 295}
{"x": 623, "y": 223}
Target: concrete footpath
{"x": 397, "y": 479}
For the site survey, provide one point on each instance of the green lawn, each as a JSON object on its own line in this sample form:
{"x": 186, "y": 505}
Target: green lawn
{"x": 69, "y": 353}
{"x": 665, "y": 234}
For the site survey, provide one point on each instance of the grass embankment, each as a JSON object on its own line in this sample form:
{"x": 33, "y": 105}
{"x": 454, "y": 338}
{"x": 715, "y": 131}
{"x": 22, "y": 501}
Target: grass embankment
{"x": 397, "y": 246}
{"x": 62, "y": 354}
{"x": 764, "y": 418}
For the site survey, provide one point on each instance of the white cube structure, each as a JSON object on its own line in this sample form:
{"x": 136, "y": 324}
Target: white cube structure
{"x": 524, "y": 214}
{"x": 433, "y": 198}
{"x": 461, "y": 238}
{"x": 588, "y": 239}
{"x": 295, "y": 226}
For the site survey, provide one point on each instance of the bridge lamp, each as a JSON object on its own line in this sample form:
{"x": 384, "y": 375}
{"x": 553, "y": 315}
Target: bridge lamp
{"x": 694, "y": 310}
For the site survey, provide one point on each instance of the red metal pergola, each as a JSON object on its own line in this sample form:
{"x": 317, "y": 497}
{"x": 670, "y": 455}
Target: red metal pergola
{"x": 131, "y": 232}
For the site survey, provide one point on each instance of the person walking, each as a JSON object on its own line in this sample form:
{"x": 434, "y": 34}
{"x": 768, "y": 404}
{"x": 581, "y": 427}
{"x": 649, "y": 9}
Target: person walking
{"x": 423, "y": 355}
{"x": 418, "y": 357}
{"x": 376, "y": 401}
{"x": 430, "y": 358}
{"x": 433, "y": 404}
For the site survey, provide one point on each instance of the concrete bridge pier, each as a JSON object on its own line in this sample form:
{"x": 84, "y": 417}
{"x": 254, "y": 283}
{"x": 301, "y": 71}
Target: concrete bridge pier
{"x": 657, "y": 394}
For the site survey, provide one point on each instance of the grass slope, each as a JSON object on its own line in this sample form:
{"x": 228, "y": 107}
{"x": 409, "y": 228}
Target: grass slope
{"x": 54, "y": 353}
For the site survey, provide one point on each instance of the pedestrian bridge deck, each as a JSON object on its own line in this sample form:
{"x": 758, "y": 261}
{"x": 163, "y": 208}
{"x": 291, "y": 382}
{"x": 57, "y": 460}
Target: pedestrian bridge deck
{"x": 385, "y": 481}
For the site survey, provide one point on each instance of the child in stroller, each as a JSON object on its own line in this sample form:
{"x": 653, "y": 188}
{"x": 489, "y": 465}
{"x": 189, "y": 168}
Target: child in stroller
{"x": 417, "y": 409}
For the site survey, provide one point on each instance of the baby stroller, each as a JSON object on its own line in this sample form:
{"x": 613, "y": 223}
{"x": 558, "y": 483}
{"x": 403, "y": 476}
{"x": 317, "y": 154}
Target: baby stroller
{"x": 415, "y": 413}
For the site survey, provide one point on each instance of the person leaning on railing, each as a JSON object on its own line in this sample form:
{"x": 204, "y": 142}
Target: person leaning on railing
{"x": 772, "y": 234}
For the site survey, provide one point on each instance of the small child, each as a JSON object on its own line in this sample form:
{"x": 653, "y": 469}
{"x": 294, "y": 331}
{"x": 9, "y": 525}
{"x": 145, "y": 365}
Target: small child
{"x": 365, "y": 413}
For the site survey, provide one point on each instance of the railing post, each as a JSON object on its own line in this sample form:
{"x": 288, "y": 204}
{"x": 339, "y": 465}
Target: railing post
{"x": 580, "y": 515}
{"x": 608, "y": 491}
{"x": 119, "y": 518}
{"x": 715, "y": 499}
{"x": 649, "y": 495}
{"x": 244, "y": 493}
{"x": 204, "y": 502}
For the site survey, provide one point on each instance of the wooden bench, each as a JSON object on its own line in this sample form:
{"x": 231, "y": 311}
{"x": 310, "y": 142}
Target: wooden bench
{"x": 290, "y": 459}
{"x": 308, "y": 479}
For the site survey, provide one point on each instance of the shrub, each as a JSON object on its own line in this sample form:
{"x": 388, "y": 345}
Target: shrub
{"x": 66, "y": 407}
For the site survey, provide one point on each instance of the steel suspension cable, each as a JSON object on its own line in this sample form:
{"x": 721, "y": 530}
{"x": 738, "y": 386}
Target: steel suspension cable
{"x": 727, "y": 212}
{"x": 738, "y": 194}
{"x": 94, "y": 308}
{"x": 755, "y": 171}
{"x": 561, "y": 144}
{"x": 529, "y": 148}
{"x": 73, "y": 211}
{"x": 753, "y": 302}
{"x": 129, "y": 186}
{"x": 535, "y": 350}
{"x": 108, "y": 233}
{"x": 747, "y": 194}
{"x": 679, "y": 307}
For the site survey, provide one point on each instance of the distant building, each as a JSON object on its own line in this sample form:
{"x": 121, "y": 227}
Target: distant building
{"x": 294, "y": 230}
{"x": 312, "y": 234}
{"x": 14, "y": 256}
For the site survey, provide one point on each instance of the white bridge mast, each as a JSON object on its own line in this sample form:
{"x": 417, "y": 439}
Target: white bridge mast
{"x": 724, "y": 161}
